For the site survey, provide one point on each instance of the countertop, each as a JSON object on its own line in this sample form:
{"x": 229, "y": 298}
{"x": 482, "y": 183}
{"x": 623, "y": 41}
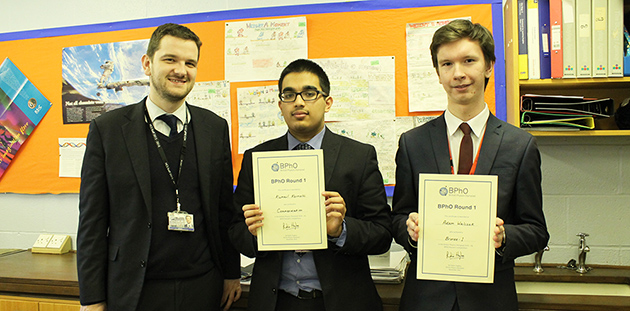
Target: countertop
{"x": 22, "y": 272}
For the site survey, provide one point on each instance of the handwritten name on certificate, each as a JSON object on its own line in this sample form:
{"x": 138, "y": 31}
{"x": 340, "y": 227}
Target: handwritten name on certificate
{"x": 456, "y": 216}
{"x": 288, "y": 187}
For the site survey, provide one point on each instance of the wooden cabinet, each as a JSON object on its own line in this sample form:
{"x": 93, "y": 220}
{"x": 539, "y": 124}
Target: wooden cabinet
{"x": 7, "y": 304}
{"x": 34, "y": 303}
{"x": 47, "y": 306}
{"x": 616, "y": 88}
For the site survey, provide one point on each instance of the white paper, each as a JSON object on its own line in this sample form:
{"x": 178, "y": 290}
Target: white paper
{"x": 362, "y": 88}
{"x": 259, "y": 117}
{"x": 71, "y": 152}
{"x": 259, "y": 49}
{"x": 456, "y": 216}
{"x": 425, "y": 91}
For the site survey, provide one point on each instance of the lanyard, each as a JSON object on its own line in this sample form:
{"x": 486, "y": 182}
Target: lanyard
{"x": 474, "y": 164}
{"x": 163, "y": 155}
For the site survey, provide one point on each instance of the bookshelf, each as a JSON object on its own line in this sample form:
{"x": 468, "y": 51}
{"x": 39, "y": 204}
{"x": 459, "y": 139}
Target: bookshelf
{"x": 616, "y": 88}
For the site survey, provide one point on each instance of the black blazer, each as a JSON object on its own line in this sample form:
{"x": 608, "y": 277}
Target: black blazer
{"x": 512, "y": 155}
{"x": 351, "y": 169}
{"x": 115, "y": 203}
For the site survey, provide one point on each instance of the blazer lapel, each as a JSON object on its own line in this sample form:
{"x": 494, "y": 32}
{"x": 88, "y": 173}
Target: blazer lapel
{"x": 204, "y": 140}
{"x": 439, "y": 143}
{"x": 331, "y": 144}
{"x": 489, "y": 146}
{"x": 136, "y": 143}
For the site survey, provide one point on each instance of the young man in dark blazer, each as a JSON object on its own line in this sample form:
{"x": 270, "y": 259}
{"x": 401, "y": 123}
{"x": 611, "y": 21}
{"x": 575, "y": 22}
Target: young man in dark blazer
{"x": 357, "y": 219}
{"x": 141, "y": 179}
{"x": 463, "y": 56}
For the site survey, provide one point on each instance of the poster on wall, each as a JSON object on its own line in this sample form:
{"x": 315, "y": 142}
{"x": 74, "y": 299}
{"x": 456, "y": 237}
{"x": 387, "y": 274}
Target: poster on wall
{"x": 22, "y": 107}
{"x": 259, "y": 50}
{"x": 425, "y": 91}
{"x": 101, "y": 77}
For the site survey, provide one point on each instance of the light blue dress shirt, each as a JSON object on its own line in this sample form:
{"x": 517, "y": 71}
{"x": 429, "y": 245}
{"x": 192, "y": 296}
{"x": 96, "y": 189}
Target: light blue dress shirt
{"x": 298, "y": 269}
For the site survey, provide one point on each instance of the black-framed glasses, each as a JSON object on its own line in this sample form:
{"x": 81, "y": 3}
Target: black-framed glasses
{"x": 307, "y": 96}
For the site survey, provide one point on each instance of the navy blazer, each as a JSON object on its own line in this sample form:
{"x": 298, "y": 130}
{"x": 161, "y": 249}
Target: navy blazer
{"x": 351, "y": 169}
{"x": 512, "y": 155}
{"x": 114, "y": 231}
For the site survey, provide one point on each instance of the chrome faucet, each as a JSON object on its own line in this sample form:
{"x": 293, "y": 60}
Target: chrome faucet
{"x": 581, "y": 266}
{"x": 538, "y": 260}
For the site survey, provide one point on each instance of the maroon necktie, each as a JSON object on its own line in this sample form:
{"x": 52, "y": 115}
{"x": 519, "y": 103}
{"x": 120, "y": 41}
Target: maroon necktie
{"x": 465, "y": 151}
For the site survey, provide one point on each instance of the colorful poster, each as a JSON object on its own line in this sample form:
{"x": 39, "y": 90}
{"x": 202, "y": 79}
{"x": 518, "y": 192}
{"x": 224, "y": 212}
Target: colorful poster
{"x": 22, "y": 107}
{"x": 259, "y": 49}
{"x": 101, "y": 77}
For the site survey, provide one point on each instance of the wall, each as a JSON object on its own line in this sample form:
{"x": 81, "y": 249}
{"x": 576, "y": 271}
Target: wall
{"x": 586, "y": 186}
{"x": 584, "y": 179}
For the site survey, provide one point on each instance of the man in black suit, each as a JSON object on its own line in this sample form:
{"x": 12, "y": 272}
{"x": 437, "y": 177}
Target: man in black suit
{"x": 142, "y": 176}
{"x": 463, "y": 56}
{"x": 357, "y": 213}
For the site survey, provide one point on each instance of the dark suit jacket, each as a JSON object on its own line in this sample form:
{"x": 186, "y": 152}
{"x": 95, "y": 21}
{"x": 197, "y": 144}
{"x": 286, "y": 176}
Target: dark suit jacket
{"x": 512, "y": 155}
{"x": 351, "y": 169}
{"x": 115, "y": 203}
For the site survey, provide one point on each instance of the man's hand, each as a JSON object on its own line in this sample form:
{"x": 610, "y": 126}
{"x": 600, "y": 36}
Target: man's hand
{"x": 253, "y": 218}
{"x": 499, "y": 233}
{"x": 335, "y": 213}
{"x": 231, "y": 293}
{"x": 412, "y": 226}
{"x": 101, "y": 306}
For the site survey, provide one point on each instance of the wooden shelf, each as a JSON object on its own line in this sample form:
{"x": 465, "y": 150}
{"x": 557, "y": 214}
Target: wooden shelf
{"x": 616, "y": 88}
{"x": 591, "y": 82}
{"x": 592, "y": 133}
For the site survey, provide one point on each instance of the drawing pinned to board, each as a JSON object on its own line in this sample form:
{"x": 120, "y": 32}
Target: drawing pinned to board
{"x": 425, "y": 91}
{"x": 259, "y": 118}
{"x": 22, "y": 107}
{"x": 101, "y": 77}
{"x": 364, "y": 88}
{"x": 259, "y": 49}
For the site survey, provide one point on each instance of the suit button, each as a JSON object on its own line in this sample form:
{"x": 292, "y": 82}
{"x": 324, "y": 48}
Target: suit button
{"x": 273, "y": 290}
{"x": 149, "y": 226}
{"x": 143, "y": 263}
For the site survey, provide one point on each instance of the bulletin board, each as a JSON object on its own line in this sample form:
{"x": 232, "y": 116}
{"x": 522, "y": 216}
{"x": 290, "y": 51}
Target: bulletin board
{"x": 348, "y": 29}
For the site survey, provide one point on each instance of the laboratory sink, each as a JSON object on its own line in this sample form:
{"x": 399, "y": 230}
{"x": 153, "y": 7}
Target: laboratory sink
{"x": 557, "y": 288}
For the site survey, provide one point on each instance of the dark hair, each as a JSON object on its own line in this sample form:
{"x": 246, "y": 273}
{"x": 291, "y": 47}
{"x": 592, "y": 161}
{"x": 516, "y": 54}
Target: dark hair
{"x": 174, "y": 30}
{"x": 305, "y": 65}
{"x": 463, "y": 29}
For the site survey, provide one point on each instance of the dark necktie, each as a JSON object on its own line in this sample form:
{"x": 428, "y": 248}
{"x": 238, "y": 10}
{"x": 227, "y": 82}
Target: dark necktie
{"x": 303, "y": 146}
{"x": 465, "y": 151}
{"x": 171, "y": 121}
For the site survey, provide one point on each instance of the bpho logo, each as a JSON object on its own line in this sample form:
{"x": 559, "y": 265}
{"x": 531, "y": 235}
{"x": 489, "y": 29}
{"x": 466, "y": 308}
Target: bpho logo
{"x": 283, "y": 166}
{"x": 444, "y": 191}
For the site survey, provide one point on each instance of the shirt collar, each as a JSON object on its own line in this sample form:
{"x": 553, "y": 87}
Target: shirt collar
{"x": 315, "y": 142}
{"x": 477, "y": 123}
{"x": 155, "y": 111}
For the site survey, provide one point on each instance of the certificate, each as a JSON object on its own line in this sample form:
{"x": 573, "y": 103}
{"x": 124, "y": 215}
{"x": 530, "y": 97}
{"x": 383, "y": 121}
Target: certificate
{"x": 288, "y": 187}
{"x": 456, "y": 216}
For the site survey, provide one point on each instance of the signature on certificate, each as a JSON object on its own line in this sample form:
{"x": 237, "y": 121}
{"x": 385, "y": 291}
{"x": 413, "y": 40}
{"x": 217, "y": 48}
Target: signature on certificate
{"x": 290, "y": 226}
{"x": 458, "y": 255}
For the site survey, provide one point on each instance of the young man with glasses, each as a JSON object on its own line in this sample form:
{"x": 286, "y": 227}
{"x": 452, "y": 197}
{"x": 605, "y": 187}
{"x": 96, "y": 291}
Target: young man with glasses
{"x": 357, "y": 213}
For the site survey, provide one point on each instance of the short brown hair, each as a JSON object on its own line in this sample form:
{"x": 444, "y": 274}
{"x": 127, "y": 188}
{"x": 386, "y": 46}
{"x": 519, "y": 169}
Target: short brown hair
{"x": 461, "y": 29}
{"x": 174, "y": 30}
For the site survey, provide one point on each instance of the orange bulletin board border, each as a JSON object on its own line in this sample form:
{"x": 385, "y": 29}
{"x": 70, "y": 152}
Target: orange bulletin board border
{"x": 349, "y": 29}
